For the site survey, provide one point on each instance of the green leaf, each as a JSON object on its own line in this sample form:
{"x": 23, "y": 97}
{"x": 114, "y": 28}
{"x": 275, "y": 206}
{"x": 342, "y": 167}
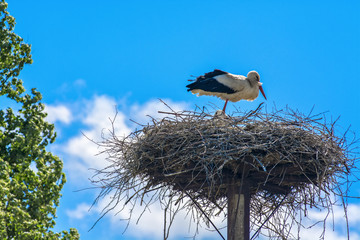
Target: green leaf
{"x": 29, "y": 198}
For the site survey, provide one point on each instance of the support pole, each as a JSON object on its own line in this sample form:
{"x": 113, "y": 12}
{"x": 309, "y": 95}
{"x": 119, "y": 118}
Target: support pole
{"x": 238, "y": 220}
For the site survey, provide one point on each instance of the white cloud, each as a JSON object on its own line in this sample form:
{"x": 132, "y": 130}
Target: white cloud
{"x": 81, "y": 211}
{"x": 141, "y": 113}
{"x": 58, "y": 113}
{"x": 154, "y": 216}
{"x": 151, "y": 222}
{"x": 96, "y": 116}
{"x": 335, "y": 228}
{"x": 79, "y": 83}
{"x": 82, "y": 154}
{"x": 98, "y": 113}
{"x": 315, "y": 232}
{"x": 354, "y": 214}
{"x": 336, "y": 220}
{"x": 71, "y": 87}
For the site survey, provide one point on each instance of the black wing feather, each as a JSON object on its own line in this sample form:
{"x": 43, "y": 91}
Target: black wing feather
{"x": 209, "y": 85}
{"x": 212, "y": 74}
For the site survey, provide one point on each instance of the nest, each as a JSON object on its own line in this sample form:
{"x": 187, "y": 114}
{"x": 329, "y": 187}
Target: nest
{"x": 192, "y": 157}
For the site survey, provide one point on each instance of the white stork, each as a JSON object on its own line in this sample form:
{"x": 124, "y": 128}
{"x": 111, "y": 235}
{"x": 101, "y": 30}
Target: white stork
{"x": 227, "y": 86}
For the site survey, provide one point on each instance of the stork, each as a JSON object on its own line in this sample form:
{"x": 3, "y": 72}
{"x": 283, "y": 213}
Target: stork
{"x": 227, "y": 86}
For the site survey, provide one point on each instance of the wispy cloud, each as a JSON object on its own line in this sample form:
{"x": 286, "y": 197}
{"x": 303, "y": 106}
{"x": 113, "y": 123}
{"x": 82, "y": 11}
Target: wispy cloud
{"x": 81, "y": 211}
{"x": 335, "y": 226}
{"x": 95, "y": 116}
{"x": 58, "y": 113}
{"x": 152, "y": 108}
{"x": 79, "y": 151}
{"x": 79, "y": 83}
{"x": 146, "y": 221}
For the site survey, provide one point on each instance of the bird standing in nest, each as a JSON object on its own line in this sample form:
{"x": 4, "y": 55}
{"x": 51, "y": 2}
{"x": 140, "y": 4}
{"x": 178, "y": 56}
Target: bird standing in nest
{"x": 227, "y": 86}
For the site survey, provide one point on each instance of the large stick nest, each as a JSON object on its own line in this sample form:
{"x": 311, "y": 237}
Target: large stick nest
{"x": 197, "y": 155}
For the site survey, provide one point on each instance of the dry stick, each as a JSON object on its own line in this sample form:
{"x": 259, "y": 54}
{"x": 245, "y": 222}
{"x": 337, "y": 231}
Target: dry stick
{"x": 267, "y": 219}
{"x": 202, "y": 211}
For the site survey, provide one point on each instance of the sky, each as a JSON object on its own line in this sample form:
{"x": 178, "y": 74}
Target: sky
{"x": 93, "y": 57}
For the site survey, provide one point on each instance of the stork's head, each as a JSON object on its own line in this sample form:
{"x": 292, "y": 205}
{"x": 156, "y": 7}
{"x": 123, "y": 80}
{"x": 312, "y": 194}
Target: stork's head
{"x": 254, "y": 76}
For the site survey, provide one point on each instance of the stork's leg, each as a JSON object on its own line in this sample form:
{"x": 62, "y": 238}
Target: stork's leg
{"x": 225, "y": 105}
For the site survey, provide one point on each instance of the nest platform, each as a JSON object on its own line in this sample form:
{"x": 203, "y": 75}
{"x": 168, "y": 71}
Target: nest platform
{"x": 283, "y": 153}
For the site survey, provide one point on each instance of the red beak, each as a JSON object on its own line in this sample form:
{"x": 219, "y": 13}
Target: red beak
{"x": 262, "y": 91}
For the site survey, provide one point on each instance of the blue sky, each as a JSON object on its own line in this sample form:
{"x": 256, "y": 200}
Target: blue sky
{"x": 90, "y": 56}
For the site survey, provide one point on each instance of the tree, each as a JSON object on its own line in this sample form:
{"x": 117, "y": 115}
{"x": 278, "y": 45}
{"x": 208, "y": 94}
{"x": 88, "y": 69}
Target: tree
{"x": 31, "y": 178}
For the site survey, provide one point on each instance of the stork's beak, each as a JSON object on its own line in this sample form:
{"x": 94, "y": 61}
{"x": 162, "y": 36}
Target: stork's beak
{"x": 262, "y": 91}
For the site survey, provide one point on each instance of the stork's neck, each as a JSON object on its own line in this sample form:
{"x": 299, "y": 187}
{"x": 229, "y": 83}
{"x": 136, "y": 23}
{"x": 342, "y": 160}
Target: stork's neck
{"x": 252, "y": 82}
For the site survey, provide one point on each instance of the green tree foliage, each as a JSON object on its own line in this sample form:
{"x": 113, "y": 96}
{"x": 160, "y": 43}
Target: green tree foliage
{"x": 30, "y": 177}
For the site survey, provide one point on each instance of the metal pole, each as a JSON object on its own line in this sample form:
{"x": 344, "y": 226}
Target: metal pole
{"x": 238, "y": 221}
